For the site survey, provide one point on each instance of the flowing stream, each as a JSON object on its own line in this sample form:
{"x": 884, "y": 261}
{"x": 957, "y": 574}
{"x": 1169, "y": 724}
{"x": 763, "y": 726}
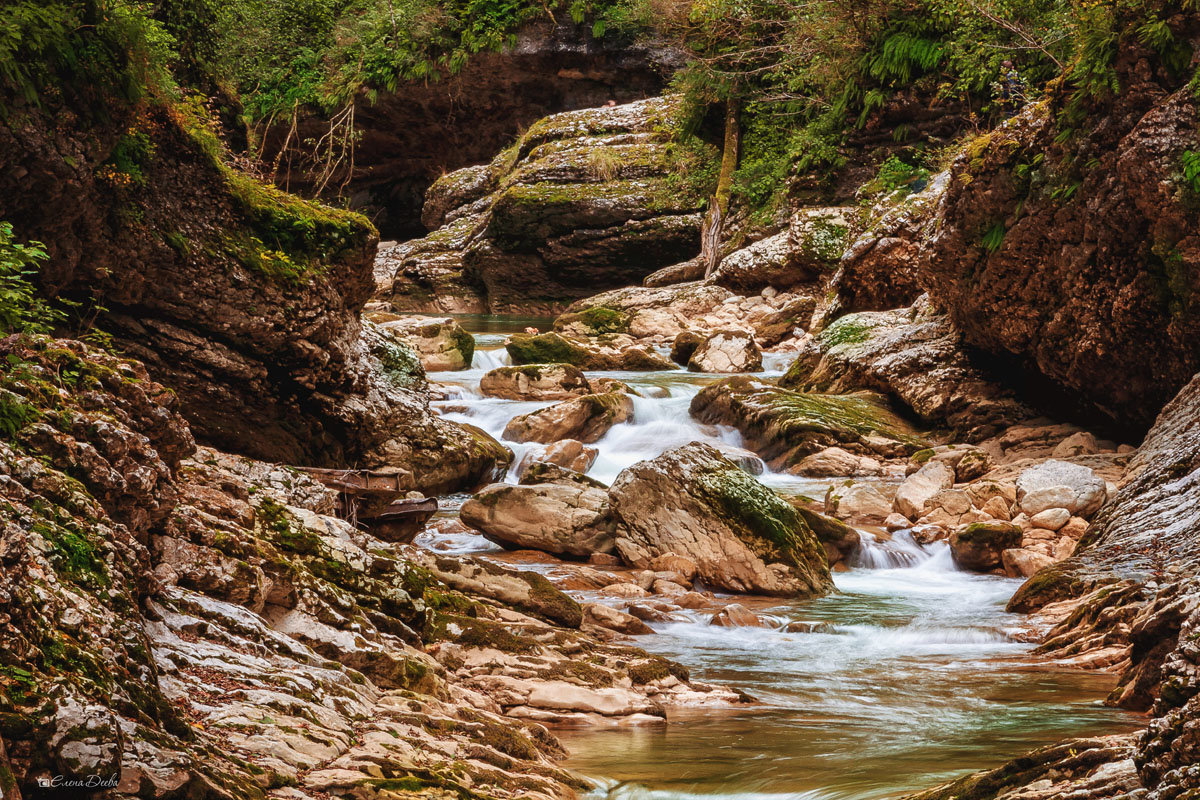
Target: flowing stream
{"x": 906, "y": 677}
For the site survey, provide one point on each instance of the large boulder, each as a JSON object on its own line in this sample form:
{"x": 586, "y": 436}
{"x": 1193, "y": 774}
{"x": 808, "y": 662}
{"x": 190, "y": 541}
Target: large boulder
{"x": 915, "y": 356}
{"x": 726, "y": 352}
{"x": 585, "y": 419}
{"x": 611, "y": 352}
{"x": 535, "y": 382}
{"x": 693, "y": 502}
{"x": 582, "y": 202}
{"x": 980, "y": 546}
{"x": 785, "y": 426}
{"x": 567, "y": 453}
{"x": 1091, "y": 279}
{"x": 1062, "y": 485}
{"x": 565, "y": 519}
{"x": 441, "y": 344}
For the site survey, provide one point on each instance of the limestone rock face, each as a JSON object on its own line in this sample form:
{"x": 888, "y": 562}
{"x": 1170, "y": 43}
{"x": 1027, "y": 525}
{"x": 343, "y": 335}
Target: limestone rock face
{"x": 558, "y": 518}
{"x": 1097, "y": 293}
{"x": 441, "y": 344}
{"x": 880, "y": 269}
{"x": 915, "y": 356}
{"x": 785, "y": 426}
{"x": 693, "y": 502}
{"x": 535, "y": 382}
{"x": 726, "y": 352}
{"x": 585, "y": 419}
{"x": 766, "y": 262}
{"x": 244, "y": 300}
{"x": 581, "y": 203}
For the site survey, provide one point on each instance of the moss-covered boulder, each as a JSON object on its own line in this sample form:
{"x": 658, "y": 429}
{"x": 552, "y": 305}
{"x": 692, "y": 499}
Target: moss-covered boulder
{"x": 582, "y": 202}
{"x": 980, "y": 546}
{"x": 585, "y": 419}
{"x": 785, "y": 426}
{"x": 547, "y": 348}
{"x": 694, "y": 502}
{"x": 603, "y": 352}
{"x": 535, "y": 382}
{"x": 442, "y": 344}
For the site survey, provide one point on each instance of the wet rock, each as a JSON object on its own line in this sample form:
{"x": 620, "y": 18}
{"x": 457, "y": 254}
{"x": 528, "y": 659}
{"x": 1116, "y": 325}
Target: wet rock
{"x": 980, "y": 546}
{"x": 607, "y": 617}
{"x": 1024, "y": 563}
{"x": 684, "y": 345}
{"x": 918, "y": 488}
{"x": 914, "y": 356}
{"x": 441, "y": 344}
{"x": 736, "y": 615}
{"x": 784, "y": 426}
{"x": 569, "y": 454}
{"x": 725, "y": 352}
{"x": 747, "y": 461}
{"x": 585, "y": 419}
{"x": 680, "y": 565}
{"x": 558, "y": 518}
{"x": 836, "y": 462}
{"x": 1060, "y": 484}
{"x": 692, "y": 501}
{"x": 535, "y": 382}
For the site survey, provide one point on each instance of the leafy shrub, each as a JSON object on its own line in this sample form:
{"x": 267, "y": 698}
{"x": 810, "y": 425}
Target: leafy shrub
{"x": 21, "y": 309}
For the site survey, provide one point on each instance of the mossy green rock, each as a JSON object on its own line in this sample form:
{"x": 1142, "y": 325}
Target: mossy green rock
{"x": 546, "y": 348}
{"x": 979, "y": 546}
{"x": 785, "y": 426}
{"x": 694, "y": 502}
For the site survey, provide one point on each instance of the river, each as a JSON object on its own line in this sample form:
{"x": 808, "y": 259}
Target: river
{"x": 911, "y": 676}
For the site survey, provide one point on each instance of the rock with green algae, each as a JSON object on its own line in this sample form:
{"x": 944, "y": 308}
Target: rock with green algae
{"x": 694, "y": 502}
{"x": 535, "y": 382}
{"x": 581, "y": 202}
{"x": 914, "y": 356}
{"x": 602, "y": 352}
{"x": 979, "y": 546}
{"x": 442, "y": 344}
{"x": 785, "y": 426}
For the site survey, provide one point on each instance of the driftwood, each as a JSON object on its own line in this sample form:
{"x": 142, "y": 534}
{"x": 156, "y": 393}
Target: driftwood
{"x": 377, "y": 500}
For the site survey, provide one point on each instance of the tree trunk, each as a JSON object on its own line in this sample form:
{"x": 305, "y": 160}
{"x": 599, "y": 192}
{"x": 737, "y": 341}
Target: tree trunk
{"x": 714, "y": 220}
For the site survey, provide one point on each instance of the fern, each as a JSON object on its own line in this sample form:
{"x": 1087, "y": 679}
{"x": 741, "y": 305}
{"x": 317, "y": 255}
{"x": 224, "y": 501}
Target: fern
{"x": 1191, "y": 169}
{"x": 993, "y": 240}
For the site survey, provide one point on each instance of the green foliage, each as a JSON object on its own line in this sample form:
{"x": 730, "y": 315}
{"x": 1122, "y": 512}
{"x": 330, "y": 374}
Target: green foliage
{"x": 130, "y": 157}
{"x": 102, "y": 49}
{"x": 993, "y": 238}
{"x": 896, "y": 174}
{"x": 1190, "y": 161}
{"x": 21, "y": 309}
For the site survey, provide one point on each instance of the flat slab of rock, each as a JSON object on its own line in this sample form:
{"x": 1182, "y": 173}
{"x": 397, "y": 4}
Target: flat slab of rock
{"x": 784, "y": 426}
{"x": 742, "y": 537}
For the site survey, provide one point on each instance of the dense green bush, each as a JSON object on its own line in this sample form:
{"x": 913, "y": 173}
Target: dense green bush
{"x": 21, "y": 309}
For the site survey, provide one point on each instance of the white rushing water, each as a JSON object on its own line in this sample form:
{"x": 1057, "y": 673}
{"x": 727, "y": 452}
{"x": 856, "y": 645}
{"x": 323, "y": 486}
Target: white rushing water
{"x": 904, "y": 677}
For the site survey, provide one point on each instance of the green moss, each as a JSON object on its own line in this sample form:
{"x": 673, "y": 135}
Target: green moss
{"x": 847, "y": 330}
{"x": 597, "y": 320}
{"x": 922, "y": 456}
{"x": 401, "y": 365}
{"x": 545, "y": 348}
{"x": 761, "y": 514}
{"x": 1001, "y": 534}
